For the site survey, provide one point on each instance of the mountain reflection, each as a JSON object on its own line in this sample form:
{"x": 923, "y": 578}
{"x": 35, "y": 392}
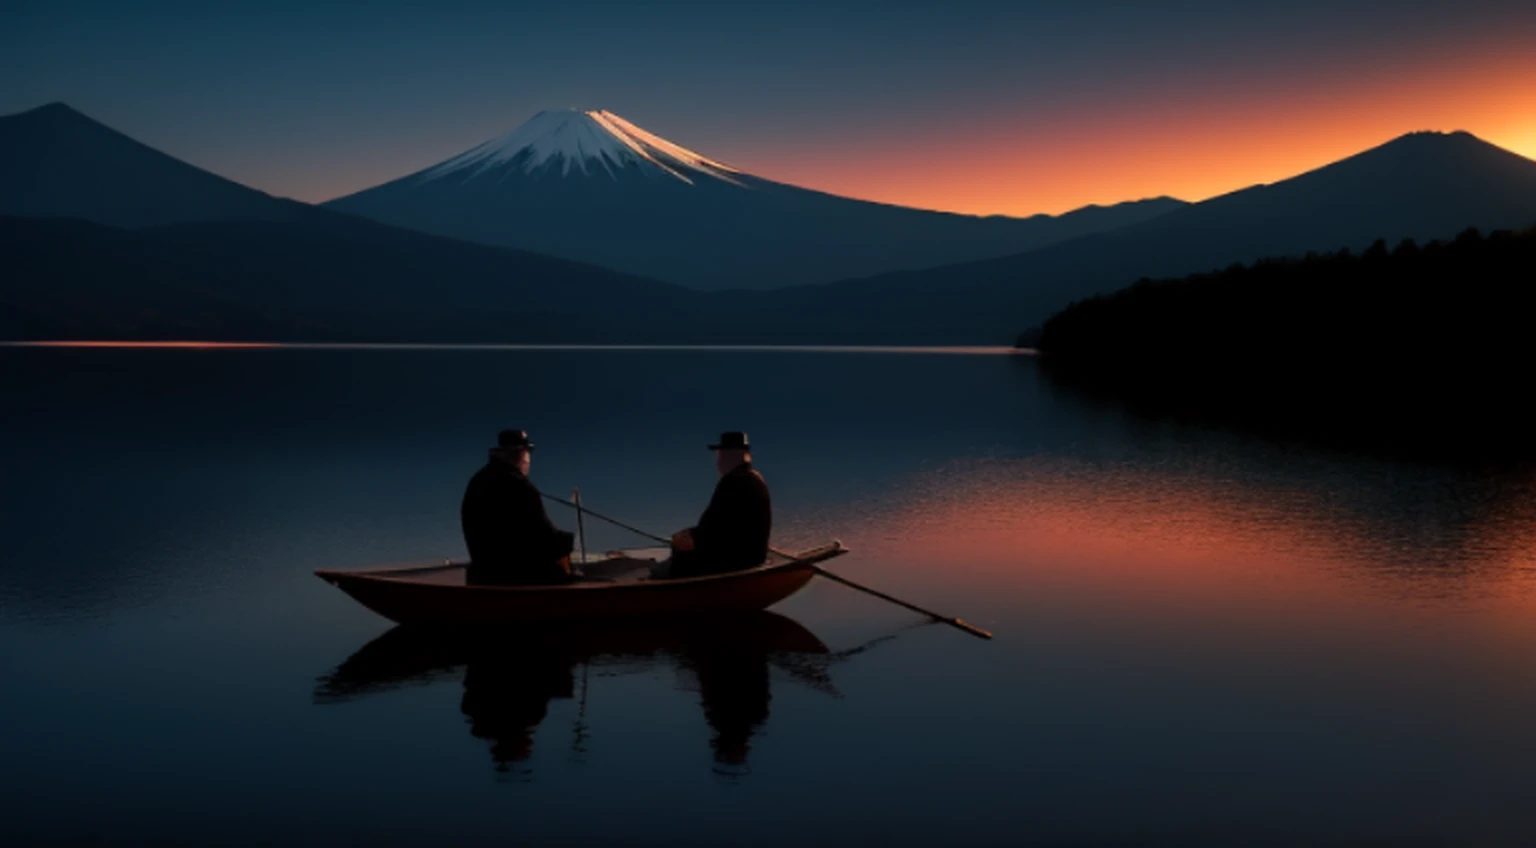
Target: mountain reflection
{"x": 511, "y": 675}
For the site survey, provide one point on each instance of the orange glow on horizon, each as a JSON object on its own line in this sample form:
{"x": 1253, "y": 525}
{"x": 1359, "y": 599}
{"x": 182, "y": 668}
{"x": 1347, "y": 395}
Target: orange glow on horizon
{"x": 174, "y": 344}
{"x": 1192, "y": 144}
{"x": 1119, "y": 136}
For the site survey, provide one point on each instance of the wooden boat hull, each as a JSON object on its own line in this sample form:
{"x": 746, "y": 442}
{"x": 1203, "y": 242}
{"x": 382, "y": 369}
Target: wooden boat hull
{"x": 438, "y": 595}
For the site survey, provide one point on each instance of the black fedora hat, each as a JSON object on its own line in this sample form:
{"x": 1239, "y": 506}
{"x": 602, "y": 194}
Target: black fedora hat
{"x": 513, "y": 440}
{"x": 733, "y": 440}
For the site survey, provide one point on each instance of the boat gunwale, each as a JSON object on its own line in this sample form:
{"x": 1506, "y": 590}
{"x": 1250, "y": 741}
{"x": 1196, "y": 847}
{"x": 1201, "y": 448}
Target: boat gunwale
{"x": 806, "y": 559}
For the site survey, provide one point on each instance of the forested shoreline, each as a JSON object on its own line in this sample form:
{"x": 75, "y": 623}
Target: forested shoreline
{"x": 1413, "y": 346}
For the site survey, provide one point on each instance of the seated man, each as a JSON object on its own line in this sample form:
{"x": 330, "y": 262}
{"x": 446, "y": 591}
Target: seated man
{"x": 732, "y": 534}
{"x": 509, "y": 536}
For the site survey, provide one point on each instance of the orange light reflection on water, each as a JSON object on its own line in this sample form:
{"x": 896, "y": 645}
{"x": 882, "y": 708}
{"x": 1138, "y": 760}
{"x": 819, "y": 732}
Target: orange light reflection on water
{"x": 1178, "y": 539}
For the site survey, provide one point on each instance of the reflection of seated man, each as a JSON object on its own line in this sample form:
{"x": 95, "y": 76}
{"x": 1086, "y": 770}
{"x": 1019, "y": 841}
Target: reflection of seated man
{"x": 732, "y": 534}
{"x": 509, "y": 536}
{"x": 507, "y": 693}
{"x": 734, "y": 692}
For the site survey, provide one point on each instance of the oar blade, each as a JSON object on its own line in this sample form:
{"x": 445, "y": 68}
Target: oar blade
{"x": 970, "y": 628}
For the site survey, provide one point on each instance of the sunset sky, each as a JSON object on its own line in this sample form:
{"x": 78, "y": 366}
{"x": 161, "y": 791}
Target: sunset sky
{"x": 1012, "y": 108}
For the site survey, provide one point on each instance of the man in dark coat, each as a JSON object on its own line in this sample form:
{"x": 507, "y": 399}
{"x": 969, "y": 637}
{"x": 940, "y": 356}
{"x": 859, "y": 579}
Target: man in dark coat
{"x": 508, "y": 533}
{"x": 732, "y": 534}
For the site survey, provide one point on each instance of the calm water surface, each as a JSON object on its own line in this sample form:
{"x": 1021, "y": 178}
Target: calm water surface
{"x": 1201, "y": 638}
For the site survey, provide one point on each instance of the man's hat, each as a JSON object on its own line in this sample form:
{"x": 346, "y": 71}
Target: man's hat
{"x": 734, "y": 440}
{"x": 513, "y": 440}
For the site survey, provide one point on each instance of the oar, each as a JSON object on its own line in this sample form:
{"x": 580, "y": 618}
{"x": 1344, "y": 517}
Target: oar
{"x": 951, "y": 621}
{"x": 836, "y": 578}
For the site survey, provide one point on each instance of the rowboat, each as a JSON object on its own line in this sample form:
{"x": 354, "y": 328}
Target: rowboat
{"x": 617, "y": 585}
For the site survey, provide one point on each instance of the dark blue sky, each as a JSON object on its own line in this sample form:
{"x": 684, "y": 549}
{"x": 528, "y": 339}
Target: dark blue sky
{"x": 313, "y": 99}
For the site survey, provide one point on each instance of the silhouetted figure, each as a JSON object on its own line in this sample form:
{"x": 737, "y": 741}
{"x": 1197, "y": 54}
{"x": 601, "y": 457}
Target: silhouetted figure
{"x": 509, "y": 535}
{"x": 732, "y": 534}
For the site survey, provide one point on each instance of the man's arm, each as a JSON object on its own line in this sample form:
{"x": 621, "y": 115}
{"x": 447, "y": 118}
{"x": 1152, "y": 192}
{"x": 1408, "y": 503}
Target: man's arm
{"x": 682, "y": 540}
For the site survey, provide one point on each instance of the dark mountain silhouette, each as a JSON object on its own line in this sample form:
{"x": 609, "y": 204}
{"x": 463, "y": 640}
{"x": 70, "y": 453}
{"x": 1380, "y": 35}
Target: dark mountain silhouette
{"x": 56, "y": 162}
{"x": 1422, "y": 185}
{"x": 217, "y": 260}
{"x": 148, "y": 246}
{"x": 282, "y": 280}
{"x": 1421, "y": 349}
{"x": 591, "y": 186}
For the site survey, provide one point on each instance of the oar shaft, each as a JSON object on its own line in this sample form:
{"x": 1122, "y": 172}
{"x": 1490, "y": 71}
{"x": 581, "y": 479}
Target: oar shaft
{"x": 953, "y": 622}
{"x": 950, "y": 620}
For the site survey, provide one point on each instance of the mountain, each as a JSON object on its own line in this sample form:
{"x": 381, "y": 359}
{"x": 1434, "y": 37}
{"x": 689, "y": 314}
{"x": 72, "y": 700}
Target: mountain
{"x": 105, "y": 237}
{"x": 280, "y": 280}
{"x": 591, "y": 186}
{"x": 56, "y": 162}
{"x": 225, "y": 261}
{"x": 1422, "y": 185}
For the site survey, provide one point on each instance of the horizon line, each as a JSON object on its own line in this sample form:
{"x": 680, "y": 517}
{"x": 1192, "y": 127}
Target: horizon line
{"x": 972, "y": 350}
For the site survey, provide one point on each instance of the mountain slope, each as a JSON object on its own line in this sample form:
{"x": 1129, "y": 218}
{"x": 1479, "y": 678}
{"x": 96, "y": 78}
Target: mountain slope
{"x": 1422, "y": 186}
{"x": 55, "y": 161}
{"x": 202, "y": 252}
{"x": 67, "y": 278}
{"x": 594, "y": 187}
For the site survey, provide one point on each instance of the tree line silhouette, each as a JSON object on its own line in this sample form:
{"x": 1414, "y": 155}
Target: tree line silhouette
{"x": 1418, "y": 346}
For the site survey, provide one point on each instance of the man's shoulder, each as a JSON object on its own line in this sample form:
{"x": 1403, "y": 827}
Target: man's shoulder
{"x": 748, "y": 477}
{"x": 499, "y": 475}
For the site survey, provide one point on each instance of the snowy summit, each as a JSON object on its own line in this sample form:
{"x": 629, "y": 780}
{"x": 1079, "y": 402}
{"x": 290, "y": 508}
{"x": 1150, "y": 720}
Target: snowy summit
{"x": 589, "y": 142}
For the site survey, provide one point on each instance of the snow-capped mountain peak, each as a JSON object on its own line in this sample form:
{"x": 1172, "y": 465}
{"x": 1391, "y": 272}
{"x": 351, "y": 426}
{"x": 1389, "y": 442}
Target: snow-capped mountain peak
{"x": 592, "y": 143}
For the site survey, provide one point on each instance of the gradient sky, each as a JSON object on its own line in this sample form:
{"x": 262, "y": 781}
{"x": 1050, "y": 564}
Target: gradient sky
{"x": 980, "y": 107}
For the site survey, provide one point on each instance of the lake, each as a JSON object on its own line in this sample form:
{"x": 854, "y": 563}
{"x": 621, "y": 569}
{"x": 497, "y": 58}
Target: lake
{"x": 1201, "y": 637}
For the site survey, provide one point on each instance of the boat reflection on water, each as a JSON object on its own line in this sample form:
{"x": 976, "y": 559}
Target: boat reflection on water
{"x": 510, "y": 675}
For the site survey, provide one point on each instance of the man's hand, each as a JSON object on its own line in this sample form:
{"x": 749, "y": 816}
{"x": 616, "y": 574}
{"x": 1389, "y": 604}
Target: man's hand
{"x": 682, "y": 540}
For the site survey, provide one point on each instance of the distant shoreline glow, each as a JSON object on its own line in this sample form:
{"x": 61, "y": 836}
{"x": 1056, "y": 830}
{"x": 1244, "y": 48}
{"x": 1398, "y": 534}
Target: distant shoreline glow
{"x": 191, "y": 345}
{"x": 194, "y": 345}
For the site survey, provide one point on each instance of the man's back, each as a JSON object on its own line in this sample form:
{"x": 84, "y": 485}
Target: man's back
{"x": 733, "y": 531}
{"x": 508, "y": 534}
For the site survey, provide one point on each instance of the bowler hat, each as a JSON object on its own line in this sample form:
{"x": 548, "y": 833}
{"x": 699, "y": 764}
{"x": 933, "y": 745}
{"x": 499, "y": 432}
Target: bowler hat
{"x": 513, "y": 440}
{"x": 733, "y": 440}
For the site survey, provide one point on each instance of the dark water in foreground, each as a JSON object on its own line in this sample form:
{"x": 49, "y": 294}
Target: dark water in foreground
{"x": 1201, "y": 638}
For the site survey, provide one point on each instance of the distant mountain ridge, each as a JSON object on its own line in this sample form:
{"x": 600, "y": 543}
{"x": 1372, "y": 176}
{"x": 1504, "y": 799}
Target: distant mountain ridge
{"x": 102, "y": 235}
{"x": 180, "y": 243}
{"x": 594, "y": 187}
{"x": 1420, "y": 185}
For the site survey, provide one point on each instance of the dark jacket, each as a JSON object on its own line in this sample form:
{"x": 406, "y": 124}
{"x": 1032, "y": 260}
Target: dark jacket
{"x": 509, "y": 536}
{"x": 733, "y": 531}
